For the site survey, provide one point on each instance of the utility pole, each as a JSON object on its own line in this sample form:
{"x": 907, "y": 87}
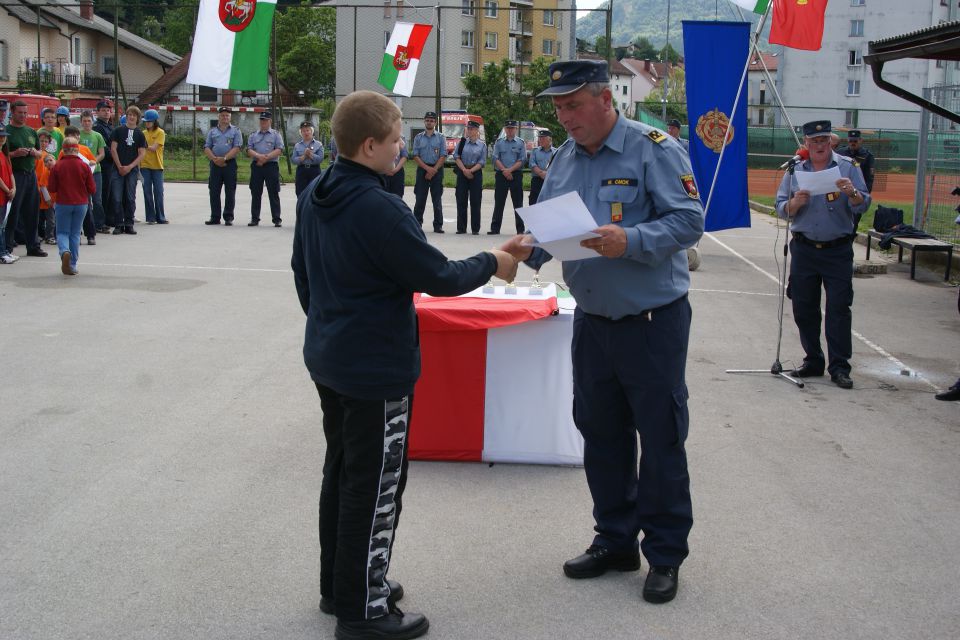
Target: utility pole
{"x": 666, "y": 68}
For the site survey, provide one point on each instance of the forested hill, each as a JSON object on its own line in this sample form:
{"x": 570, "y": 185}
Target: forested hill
{"x": 633, "y": 19}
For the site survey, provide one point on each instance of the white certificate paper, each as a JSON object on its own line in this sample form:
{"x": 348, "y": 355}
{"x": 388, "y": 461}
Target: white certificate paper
{"x": 559, "y": 224}
{"x": 819, "y": 182}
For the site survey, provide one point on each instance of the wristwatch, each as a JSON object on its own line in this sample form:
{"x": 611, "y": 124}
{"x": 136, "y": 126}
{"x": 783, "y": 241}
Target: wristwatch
{"x": 855, "y": 194}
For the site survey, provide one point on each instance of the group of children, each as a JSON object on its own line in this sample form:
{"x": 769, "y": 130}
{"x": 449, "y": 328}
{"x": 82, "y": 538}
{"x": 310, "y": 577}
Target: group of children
{"x": 71, "y": 201}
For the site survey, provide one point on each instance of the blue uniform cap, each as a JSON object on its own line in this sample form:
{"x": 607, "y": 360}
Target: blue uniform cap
{"x": 224, "y": 110}
{"x": 853, "y": 134}
{"x": 817, "y": 128}
{"x": 545, "y": 133}
{"x": 430, "y": 114}
{"x": 571, "y": 76}
{"x": 266, "y": 115}
{"x": 511, "y": 123}
{"x": 473, "y": 125}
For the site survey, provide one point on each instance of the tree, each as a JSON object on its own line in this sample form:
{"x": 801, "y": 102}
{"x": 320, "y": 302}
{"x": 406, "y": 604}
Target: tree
{"x": 644, "y": 49}
{"x": 676, "y": 96}
{"x": 542, "y": 111}
{"x": 306, "y": 50}
{"x": 669, "y": 54}
{"x": 602, "y": 46}
{"x": 178, "y": 25}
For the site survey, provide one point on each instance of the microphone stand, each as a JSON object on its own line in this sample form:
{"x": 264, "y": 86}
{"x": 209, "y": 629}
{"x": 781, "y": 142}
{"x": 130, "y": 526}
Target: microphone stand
{"x": 776, "y": 368}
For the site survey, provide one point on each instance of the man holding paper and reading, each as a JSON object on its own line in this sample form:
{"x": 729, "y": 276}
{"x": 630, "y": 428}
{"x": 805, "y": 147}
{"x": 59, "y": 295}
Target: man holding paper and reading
{"x": 823, "y": 230}
{"x": 631, "y": 325}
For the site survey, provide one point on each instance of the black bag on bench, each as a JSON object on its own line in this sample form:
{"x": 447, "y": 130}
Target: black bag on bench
{"x": 886, "y": 218}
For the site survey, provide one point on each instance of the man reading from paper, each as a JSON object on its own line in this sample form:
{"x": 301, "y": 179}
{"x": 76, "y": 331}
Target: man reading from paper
{"x": 631, "y": 326}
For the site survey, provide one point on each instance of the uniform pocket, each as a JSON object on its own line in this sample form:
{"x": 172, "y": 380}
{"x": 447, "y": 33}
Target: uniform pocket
{"x": 681, "y": 415}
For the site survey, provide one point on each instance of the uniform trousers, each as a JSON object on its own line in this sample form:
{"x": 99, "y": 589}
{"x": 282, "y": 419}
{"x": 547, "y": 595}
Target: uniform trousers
{"x": 629, "y": 379}
{"x": 395, "y": 183}
{"x": 269, "y": 175}
{"x": 831, "y": 269}
{"x": 471, "y": 188}
{"x": 420, "y": 189}
{"x": 536, "y": 183}
{"x": 225, "y": 178}
{"x": 364, "y": 475}
{"x": 501, "y": 186}
{"x": 24, "y": 212}
{"x": 305, "y": 175}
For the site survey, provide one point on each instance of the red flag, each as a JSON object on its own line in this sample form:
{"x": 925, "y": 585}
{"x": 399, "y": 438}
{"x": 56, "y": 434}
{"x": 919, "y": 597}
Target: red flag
{"x": 798, "y": 24}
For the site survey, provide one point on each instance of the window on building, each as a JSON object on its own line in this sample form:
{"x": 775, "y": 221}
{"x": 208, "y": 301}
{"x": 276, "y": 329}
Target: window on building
{"x": 206, "y": 94}
{"x": 490, "y": 8}
{"x": 399, "y": 8}
{"x": 466, "y": 8}
{"x": 75, "y": 54}
{"x": 940, "y": 64}
{"x": 854, "y": 59}
{"x": 464, "y": 102}
{"x": 624, "y": 89}
{"x": 559, "y": 47}
{"x": 548, "y": 17}
{"x": 4, "y": 74}
{"x": 547, "y": 47}
{"x": 466, "y": 39}
{"x": 490, "y": 40}
{"x": 856, "y": 28}
{"x": 465, "y": 68}
{"x": 860, "y": 3}
{"x": 763, "y": 96}
{"x": 386, "y": 8}
{"x": 760, "y": 116}
{"x": 849, "y": 118}
{"x": 109, "y": 65}
{"x": 853, "y": 87}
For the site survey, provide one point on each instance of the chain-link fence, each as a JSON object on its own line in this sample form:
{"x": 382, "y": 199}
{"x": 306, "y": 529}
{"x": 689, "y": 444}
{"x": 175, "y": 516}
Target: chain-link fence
{"x": 937, "y": 199}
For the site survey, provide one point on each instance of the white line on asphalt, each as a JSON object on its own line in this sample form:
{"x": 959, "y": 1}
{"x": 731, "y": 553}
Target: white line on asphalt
{"x": 743, "y": 293}
{"x": 880, "y": 350}
{"x": 163, "y": 266}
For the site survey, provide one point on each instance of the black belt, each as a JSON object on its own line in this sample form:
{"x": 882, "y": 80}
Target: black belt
{"x": 309, "y": 166}
{"x": 647, "y": 314}
{"x": 824, "y": 244}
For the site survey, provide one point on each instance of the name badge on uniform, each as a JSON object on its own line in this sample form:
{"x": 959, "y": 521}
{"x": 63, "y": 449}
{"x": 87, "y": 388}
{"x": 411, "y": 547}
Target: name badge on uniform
{"x": 833, "y": 196}
{"x": 616, "y": 211}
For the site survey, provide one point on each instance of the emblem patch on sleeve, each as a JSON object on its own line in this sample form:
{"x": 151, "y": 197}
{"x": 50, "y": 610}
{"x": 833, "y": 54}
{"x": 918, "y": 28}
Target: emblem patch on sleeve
{"x": 690, "y": 186}
{"x": 656, "y": 136}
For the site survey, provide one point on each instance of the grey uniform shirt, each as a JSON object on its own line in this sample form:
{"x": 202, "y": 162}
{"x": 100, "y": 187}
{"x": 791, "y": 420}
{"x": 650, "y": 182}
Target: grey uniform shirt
{"x": 301, "y": 148}
{"x": 220, "y": 142}
{"x": 265, "y": 142}
{"x": 508, "y": 152}
{"x": 429, "y": 148}
{"x": 473, "y": 153}
{"x": 829, "y": 216}
{"x": 643, "y": 179}
{"x": 540, "y": 158}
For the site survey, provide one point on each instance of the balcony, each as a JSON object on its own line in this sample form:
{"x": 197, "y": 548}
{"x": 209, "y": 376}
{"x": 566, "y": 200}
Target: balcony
{"x": 45, "y": 81}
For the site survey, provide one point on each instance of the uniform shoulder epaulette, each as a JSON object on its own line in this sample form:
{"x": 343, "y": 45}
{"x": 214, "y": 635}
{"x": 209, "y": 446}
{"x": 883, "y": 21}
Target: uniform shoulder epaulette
{"x": 656, "y": 136}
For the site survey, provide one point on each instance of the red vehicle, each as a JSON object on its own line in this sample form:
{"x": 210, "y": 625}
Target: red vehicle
{"x": 35, "y": 104}
{"x": 453, "y": 126}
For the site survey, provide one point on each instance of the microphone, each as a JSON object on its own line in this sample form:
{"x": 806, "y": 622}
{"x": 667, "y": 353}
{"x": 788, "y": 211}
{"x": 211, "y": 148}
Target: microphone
{"x": 802, "y": 154}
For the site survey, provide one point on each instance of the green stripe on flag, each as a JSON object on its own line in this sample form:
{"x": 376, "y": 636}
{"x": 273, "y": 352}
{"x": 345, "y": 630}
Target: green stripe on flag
{"x": 388, "y": 73}
{"x": 251, "y": 51}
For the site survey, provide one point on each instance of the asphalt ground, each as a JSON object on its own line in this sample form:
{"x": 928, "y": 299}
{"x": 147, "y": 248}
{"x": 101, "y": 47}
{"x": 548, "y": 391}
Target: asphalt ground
{"x": 160, "y": 455}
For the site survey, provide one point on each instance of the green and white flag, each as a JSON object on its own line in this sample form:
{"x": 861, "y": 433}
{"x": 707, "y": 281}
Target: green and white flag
{"x": 757, "y": 6}
{"x": 402, "y": 57}
{"x": 231, "y": 46}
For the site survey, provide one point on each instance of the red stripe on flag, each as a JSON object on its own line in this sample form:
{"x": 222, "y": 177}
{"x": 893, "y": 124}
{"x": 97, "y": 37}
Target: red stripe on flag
{"x": 418, "y": 39}
{"x": 798, "y": 24}
{"x": 448, "y": 407}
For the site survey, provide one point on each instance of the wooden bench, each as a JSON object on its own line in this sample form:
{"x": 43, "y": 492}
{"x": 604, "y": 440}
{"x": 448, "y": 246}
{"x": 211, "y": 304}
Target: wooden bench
{"x": 915, "y": 246}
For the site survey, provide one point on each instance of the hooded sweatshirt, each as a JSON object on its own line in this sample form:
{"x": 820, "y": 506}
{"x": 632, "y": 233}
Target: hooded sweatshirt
{"x": 358, "y": 257}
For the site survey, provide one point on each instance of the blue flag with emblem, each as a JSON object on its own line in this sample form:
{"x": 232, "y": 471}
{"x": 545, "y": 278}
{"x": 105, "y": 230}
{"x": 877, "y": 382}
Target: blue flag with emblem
{"x": 715, "y": 56}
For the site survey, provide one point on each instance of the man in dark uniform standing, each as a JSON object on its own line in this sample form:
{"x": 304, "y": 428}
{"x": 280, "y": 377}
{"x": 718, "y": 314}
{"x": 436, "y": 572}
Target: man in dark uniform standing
{"x": 855, "y": 149}
{"x": 508, "y": 156}
{"x": 822, "y": 255}
{"x": 104, "y": 126}
{"x": 429, "y": 152}
{"x": 264, "y": 147}
{"x": 631, "y": 326}
{"x": 222, "y": 147}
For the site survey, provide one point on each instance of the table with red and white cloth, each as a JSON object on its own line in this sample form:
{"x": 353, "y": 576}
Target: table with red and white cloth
{"x": 496, "y": 382}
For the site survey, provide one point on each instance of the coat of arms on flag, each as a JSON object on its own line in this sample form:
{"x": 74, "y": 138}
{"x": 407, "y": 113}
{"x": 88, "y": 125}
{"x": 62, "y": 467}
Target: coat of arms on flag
{"x": 712, "y": 129}
{"x": 235, "y": 15}
{"x": 401, "y": 60}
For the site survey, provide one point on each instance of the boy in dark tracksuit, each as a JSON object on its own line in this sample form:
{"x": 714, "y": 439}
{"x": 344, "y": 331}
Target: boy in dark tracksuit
{"x": 358, "y": 257}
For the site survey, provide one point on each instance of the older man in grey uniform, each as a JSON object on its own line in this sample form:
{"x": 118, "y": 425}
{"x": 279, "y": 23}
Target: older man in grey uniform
{"x": 822, "y": 254}
{"x": 264, "y": 147}
{"x": 221, "y": 148}
{"x": 631, "y": 326}
{"x": 470, "y": 157}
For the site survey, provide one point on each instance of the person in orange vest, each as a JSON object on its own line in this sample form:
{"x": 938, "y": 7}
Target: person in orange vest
{"x": 42, "y": 167}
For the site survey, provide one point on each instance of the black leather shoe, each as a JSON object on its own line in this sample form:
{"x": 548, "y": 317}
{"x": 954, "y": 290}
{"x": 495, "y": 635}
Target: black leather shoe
{"x": 953, "y": 393}
{"x": 37, "y": 253}
{"x": 211, "y": 222}
{"x": 118, "y": 231}
{"x": 842, "y": 380}
{"x": 329, "y": 605}
{"x": 476, "y": 233}
{"x": 460, "y": 233}
{"x": 661, "y": 584}
{"x": 598, "y": 560}
{"x": 130, "y": 231}
{"x": 439, "y": 231}
{"x": 395, "y": 624}
{"x": 228, "y": 223}
{"x": 807, "y": 371}
{"x": 253, "y": 223}
{"x": 493, "y": 233}
{"x": 278, "y": 224}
